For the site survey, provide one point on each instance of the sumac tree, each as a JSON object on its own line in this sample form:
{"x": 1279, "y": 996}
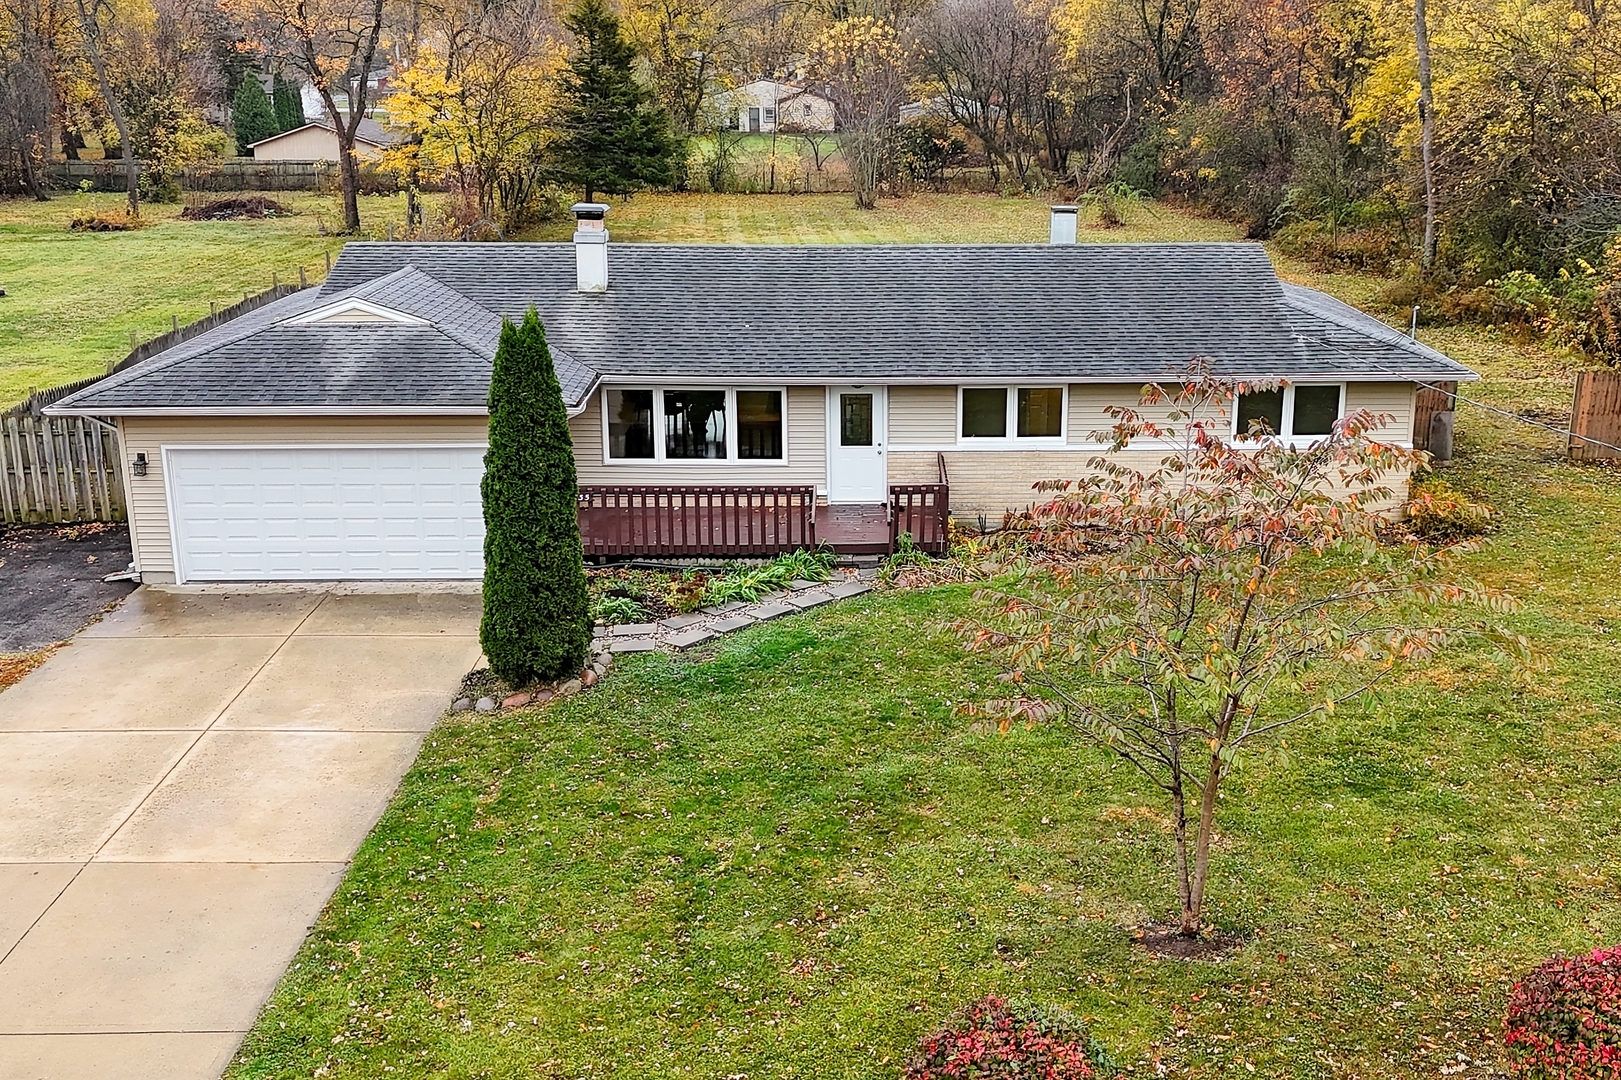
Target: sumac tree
{"x": 1181, "y": 613}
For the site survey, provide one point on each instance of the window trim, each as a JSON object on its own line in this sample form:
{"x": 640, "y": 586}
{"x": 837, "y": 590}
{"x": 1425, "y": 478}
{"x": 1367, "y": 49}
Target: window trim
{"x": 659, "y": 459}
{"x": 1013, "y": 438}
{"x": 1286, "y": 435}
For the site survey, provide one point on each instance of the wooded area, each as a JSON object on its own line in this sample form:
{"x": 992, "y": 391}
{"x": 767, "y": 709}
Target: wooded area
{"x": 1470, "y": 151}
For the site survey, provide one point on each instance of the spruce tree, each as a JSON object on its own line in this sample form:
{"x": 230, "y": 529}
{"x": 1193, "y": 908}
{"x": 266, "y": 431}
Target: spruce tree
{"x": 287, "y": 104}
{"x": 251, "y": 115}
{"x": 615, "y": 136}
{"x": 537, "y": 622}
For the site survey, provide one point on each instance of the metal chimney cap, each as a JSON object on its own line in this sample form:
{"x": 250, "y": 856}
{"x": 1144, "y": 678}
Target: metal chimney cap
{"x": 1067, "y": 208}
{"x": 589, "y": 211}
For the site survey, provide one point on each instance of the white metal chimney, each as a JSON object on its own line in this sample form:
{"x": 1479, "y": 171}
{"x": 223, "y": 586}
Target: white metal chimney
{"x": 1063, "y": 225}
{"x": 591, "y": 246}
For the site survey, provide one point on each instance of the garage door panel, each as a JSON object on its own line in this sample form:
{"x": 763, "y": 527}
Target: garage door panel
{"x": 288, "y": 513}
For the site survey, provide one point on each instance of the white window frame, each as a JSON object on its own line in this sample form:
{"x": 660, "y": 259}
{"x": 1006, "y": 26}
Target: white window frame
{"x": 1286, "y": 434}
{"x": 1013, "y": 438}
{"x": 659, "y": 458}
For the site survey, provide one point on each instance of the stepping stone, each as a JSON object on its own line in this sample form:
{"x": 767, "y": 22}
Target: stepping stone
{"x": 635, "y": 644}
{"x": 809, "y": 599}
{"x": 635, "y": 629}
{"x": 762, "y": 612}
{"x": 678, "y": 622}
{"x": 726, "y": 626}
{"x": 686, "y": 639}
{"x": 849, "y": 588}
{"x": 801, "y": 584}
{"x": 721, "y": 609}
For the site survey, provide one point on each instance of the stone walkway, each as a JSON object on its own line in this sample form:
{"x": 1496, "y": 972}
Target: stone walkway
{"x": 685, "y": 631}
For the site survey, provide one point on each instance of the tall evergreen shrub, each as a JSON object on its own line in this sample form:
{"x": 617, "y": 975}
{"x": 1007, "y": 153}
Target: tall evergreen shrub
{"x": 251, "y": 115}
{"x": 287, "y": 104}
{"x": 536, "y": 621}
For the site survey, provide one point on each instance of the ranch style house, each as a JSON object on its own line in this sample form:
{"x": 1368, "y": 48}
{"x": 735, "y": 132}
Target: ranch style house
{"x": 723, "y": 400}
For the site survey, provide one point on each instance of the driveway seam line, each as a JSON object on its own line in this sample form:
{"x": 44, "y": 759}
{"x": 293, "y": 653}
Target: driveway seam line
{"x": 210, "y": 726}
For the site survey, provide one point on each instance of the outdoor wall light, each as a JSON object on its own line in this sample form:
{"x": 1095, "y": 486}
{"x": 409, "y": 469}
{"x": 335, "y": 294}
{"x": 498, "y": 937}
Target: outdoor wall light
{"x": 139, "y": 467}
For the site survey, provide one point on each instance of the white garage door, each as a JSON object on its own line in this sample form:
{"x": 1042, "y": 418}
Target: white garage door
{"x": 326, "y": 513}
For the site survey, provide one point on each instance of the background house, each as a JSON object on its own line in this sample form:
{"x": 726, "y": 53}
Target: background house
{"x": 317, "y": 141}
{"x": 765, "y": 106}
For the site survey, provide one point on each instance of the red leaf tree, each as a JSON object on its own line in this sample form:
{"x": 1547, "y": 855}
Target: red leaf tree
{"x": 1181, "y": 613}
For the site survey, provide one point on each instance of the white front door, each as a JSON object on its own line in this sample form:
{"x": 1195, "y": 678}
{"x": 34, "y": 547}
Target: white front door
{"x": 856, "y": 432}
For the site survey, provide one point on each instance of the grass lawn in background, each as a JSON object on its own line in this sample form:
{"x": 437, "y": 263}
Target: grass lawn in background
{"x": 73, "y": 299}
{"x": 783, "y": 857}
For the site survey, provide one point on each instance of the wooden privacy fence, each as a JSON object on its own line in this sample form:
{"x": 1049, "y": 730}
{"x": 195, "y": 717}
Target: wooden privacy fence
{"x": 1442, "y": 397}
{"x": 59, "y": 469}
{"x": 1595, "y": 416}
{"x": 683, "y": 521}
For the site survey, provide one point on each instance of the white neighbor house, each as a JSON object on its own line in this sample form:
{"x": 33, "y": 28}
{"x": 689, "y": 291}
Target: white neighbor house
{"x": 765, "y": 106}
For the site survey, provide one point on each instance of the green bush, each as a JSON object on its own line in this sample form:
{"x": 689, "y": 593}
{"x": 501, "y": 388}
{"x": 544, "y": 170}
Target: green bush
{"x": 749, "y": 585}
{"x": 537, "y": 622}
{"x": 1442, "y": 515}
{"x": 612, "y": 609}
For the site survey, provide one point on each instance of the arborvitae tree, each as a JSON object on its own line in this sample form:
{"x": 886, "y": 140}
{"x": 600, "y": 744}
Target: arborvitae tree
{"x": 537, "y": 622}
{"x": 616, "y": 137}
{"x": 251, "y": 115}
{"x": 287, "y": 104}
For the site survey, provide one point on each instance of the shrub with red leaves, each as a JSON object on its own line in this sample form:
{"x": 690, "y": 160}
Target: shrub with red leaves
{"x": 1564, "y": 1019}
{"x": 993, "y": 1038}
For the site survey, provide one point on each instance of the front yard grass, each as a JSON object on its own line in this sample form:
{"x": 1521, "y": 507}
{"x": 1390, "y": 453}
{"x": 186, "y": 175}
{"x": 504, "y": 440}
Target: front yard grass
{"x": 785, "y": 858}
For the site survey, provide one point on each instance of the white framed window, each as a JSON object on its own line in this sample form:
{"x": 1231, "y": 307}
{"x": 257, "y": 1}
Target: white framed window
{"x": 1014, "y": 414}
{"x": 1296, "y": 413}
{"x": 701, "y": 423}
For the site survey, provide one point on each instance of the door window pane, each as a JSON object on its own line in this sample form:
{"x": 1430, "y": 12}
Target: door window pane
{"x": 1041, "y": 412}
{"x": 630, "y": 423}
{"x": 1261, "y": 410}
{"x": 694, "y": 423}
{"x": 1316, "y": 409}
{"x": 759, "y": 424}
{"x": 984, "y": 413}
{"x": 855, "y": 419}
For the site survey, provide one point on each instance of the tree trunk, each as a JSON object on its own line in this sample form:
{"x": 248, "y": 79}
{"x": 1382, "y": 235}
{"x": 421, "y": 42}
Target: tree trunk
{"x": 1179, "y": 804}
{"x": 349, "y": 178}
{"x": 1426, "y": 116}
{"x": 90, "y": 20}
{"x": 1193, "y": 906}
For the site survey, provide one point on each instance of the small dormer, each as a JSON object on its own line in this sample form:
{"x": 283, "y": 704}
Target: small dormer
{"x": 353, "y": 310}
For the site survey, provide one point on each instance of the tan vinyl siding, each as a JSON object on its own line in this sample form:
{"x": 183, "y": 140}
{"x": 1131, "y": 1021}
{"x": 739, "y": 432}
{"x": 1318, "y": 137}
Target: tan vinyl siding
{"x": 148, "y": 505}
{"x": 310, "y": 144}
{"x": 1396, "y": 399}
{"x": 807, "y": 452}
{"x": 922, "y": 415}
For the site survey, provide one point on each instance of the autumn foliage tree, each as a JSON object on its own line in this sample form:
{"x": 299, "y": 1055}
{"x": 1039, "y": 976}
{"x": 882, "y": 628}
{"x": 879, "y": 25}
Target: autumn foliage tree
{"x": 860, "y": 66}
{"x": 1181, "y": 614}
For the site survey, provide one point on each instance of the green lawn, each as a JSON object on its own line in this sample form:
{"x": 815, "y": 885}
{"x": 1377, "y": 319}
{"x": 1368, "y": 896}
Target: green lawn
{"x": 74, "y": 299}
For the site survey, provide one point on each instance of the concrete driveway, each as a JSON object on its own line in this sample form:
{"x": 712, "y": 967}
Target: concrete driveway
{"x": 181, "y": 788}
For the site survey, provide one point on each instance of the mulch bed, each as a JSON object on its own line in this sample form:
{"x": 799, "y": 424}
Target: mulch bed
{"x": 51, "y": 577}
{"x": 1166, "y": 941}
{"x": 236, "y": 208}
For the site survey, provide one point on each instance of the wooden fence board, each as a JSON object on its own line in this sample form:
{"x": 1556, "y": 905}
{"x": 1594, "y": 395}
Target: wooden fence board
{"x": 1595, "y": 416}
{"x": 59, "y": 469}
{"x": 1426, "y": 403}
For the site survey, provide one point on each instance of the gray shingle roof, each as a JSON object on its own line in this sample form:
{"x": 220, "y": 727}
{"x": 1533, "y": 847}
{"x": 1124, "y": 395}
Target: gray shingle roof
{"x": 1085, "y": 313}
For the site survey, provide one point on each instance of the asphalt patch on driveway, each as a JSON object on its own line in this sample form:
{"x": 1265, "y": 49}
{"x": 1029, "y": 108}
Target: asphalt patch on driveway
{"x": 50, "y": 580}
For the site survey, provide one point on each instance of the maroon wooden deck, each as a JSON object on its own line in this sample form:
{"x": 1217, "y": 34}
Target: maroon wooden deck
{"x": 858, "y": 529}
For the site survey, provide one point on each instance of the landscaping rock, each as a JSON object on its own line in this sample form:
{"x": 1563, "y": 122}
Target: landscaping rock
{"x": 484, "y": 704}
{"x": 462, "y": 704}
{"x": 736, "y": 622}
{"x": 600, "y": 644}
{"x": 570, "y": 688}
{"x": 637, "y": 644}
{"x": 762, "y": 612}
{"x": 808, "y": 599}
{"x": 513, "y": 701}
{"x": 588, "y": 677}
{"x": 635, "y": 629}
{"x": 686, "y": 639}
{"x": 604, "y": 659}
{"x": 543, "y": 696}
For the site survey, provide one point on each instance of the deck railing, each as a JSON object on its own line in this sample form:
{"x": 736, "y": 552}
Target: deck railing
{"x": 687, "y": 521}
{"x": 924, "y": 512}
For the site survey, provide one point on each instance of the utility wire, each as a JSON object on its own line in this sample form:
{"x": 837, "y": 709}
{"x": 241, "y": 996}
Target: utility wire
{"x": 1566, "y": 432}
